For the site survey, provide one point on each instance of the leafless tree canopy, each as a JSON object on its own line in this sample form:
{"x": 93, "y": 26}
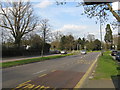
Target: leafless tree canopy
{"x": 17, "y": 17}
{"x": 45, "y": 29}
{"x": 100, "y": 10}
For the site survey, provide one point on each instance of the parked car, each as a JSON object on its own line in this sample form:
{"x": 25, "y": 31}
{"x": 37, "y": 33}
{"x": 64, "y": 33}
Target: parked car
{"x": 57, "y": 52}
{"x": 117, "y": 57}
{"x": 113, "y": 53}
{"x": 83, "y": 52}
{"x": 54, "y": 51}
{"x": 63, "y": 52}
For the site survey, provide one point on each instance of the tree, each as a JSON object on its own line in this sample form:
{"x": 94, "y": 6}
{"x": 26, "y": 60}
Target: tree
{"x": 67, "y": 42}
{"x": 89, "y": 45}
{"x": 83, "y": 43}
{"x": 62, "y": 43}
{"x": 36, "y": 42}
{"x": 56, "y": 37}
{"x": 97, "y": 44}
{"x": 70, "y": 42}
{"x": 79, "y": 43}
{"x": 98, "y": 10}
{"x": 45, "y": 32}
{"x": 93, "y": 45}
{"x": 108, "y": 36}
{"x": 18, "y": 18}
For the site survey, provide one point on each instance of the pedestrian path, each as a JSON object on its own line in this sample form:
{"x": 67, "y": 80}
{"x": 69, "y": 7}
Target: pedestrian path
{"x": 23, "y": 58}
{"x": 102, "y": 83}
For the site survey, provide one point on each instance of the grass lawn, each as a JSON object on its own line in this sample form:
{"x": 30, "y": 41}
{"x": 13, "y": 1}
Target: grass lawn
{"x": 106, "y": 67}
{"x": 26, "y": 61}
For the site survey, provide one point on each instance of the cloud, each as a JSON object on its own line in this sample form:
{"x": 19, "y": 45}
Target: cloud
{"x": 71, "y": 28}
{"x": 44, "y": 4}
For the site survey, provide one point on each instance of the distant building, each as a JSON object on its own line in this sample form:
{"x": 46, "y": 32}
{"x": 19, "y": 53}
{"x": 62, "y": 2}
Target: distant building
{"x": 91, "y": 37}
{"x": 115, "y": 39}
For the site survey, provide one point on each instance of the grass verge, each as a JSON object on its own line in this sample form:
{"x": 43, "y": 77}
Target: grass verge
{"x": 26, "y": 61}
{"x": 106, "y": 67}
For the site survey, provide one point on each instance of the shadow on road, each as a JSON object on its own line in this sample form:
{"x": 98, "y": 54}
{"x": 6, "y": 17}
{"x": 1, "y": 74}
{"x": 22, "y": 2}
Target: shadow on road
{"x": 116, "y": 79}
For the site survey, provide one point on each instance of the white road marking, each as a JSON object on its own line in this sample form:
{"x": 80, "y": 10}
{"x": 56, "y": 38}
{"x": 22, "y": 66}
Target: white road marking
{"x": 39, "y": 72}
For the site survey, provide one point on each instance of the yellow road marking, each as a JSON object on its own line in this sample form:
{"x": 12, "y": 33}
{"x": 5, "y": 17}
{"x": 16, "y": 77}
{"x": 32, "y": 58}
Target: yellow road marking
{"x": 23, "y": 84}
{"x": 27, "y": 81}
{"x": 28, "y": 85}
{"x": 31, "y": 86}
{"x": 79, "y": 84}
{"x": 47, "y": 87}
{"x": 42, "y": 75}
{"x": 37, "y": 86}
{"x": 42, "y": 87}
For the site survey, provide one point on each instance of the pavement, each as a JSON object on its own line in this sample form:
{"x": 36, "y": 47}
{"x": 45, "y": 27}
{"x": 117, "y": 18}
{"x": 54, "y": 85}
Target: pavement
{"x": 102, "y": 83}
{"x": 109, "y": 84}
{"x": 9, "y": 59}
{"x": 64, "y": 72}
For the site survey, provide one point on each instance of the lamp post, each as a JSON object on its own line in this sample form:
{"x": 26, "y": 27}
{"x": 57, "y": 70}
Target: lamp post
{"x": 101, "y": 35}
{"x": 92, "y": 2}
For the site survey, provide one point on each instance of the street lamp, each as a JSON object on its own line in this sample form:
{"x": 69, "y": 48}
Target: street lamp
{"x": 101, "y": 34}
{"x": 92, "y": 2}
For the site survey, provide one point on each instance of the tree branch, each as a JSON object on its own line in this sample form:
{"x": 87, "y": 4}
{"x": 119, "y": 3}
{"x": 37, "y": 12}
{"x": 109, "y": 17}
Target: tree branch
{"x": 113, "y": 12}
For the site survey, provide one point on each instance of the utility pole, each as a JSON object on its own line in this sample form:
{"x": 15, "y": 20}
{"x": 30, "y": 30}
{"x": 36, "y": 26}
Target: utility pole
{"x": 43, "y": 45}
{"x": 118, "y": 46}
{"x": 101, "y": 34}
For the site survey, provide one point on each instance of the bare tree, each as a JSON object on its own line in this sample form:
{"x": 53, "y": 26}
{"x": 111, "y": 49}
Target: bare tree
{"x": 96, "y": 9}
{"x": 18, "y": 18}
{"x": 45, "y": 31}
{"x": 56, "y": 37}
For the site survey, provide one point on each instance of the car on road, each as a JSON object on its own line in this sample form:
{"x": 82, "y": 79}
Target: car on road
{"x": 117, "y": 57}
{"x": 63, "y": 52}
{"x": 54, "y": 51}
{"x": 113, "y": 53}
{"x": 83, "y": 52}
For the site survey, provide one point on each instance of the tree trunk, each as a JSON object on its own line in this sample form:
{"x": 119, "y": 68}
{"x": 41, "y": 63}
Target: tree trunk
{"x": 17, "y": 42}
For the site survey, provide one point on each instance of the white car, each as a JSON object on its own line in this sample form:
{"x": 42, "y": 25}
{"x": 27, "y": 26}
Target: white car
{"x": 83, "y": 52}
{"x": 63, "y": 52}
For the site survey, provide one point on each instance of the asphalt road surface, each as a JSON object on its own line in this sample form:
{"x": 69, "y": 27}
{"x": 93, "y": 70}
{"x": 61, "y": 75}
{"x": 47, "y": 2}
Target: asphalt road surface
{"x": 63, "y": 72}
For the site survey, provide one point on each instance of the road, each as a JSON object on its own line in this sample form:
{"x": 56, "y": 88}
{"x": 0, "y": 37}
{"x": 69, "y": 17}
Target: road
{"x": 63, "y": 72}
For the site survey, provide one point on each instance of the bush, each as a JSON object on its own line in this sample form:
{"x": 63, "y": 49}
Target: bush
{"x": 12, "y": 51}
